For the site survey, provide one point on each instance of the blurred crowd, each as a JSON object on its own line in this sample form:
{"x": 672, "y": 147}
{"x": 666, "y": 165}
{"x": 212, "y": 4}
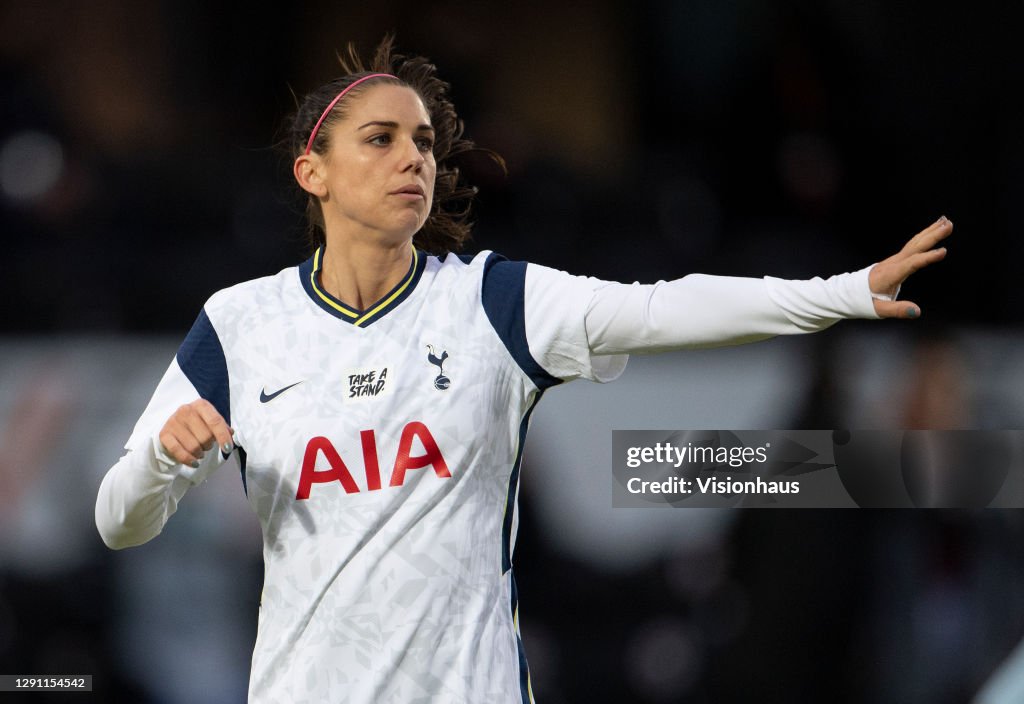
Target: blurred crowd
{"x": 644, "y": 140}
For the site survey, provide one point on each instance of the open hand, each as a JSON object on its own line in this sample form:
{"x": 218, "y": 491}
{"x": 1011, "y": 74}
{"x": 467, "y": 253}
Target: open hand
{"x": 886, "y": 277}
{"x": 192, "y": 430}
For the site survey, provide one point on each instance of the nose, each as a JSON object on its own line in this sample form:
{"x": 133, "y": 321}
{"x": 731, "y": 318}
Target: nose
{"x": 413, "y": 159}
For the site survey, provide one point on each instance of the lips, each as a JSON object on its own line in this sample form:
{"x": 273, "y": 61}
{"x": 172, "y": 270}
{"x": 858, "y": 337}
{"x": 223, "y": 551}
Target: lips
{"x": 411, "y": 190}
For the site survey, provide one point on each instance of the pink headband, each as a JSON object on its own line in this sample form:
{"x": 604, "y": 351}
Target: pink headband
{"x": 309, "y": 144}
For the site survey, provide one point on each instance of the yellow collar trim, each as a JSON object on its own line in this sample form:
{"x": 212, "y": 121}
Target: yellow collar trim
{"x": 360, "y": 317}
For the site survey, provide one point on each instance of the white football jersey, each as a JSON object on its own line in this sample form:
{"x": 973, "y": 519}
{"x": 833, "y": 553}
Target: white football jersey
{"x": 380, "y": 450}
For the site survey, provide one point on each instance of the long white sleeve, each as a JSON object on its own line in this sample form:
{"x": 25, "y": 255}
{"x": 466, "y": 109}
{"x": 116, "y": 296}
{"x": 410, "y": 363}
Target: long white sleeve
{"x": 700, "y": 311}
{"x": 141, "y": 492}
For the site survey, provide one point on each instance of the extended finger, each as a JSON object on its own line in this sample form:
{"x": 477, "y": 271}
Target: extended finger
{"x": 918, "y": 261}
{"x": 897, "y": 309}
{"x": 216, "y": 424}
{"x": 927, "y": 238}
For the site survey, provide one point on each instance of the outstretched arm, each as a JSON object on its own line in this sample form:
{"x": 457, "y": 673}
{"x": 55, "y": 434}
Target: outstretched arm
{"x": 701, "y": 311}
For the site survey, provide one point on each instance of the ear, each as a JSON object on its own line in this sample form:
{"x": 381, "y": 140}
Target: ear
{"x": 307, "y": 170}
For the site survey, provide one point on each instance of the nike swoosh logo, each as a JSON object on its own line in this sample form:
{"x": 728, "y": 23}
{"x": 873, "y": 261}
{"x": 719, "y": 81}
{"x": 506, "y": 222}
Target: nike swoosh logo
{"x": 265, "y": 397}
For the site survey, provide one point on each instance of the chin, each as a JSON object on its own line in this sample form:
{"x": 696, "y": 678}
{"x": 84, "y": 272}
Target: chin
{"x": 400, "y": 235}
{"x": 407, "y": 229}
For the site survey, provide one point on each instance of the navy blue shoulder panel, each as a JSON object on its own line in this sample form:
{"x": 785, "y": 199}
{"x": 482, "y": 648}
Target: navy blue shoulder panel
{"x": 504, "y": 299}
{"x": 201, "y": 358}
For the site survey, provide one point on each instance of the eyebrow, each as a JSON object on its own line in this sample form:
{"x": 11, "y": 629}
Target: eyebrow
{"x": 392, "y": 125}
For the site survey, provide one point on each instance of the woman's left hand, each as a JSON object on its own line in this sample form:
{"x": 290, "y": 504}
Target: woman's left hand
{"x": 886, "y": 277}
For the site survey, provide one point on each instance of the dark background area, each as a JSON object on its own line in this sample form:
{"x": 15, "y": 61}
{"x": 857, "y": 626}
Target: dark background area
{"x": 645, "y": 140}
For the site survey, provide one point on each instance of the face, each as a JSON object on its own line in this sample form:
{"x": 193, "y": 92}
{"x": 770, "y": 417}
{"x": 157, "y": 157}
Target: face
{"x": 377, "y": 179}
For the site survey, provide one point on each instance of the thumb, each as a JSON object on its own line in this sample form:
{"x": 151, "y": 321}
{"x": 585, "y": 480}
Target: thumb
{"x": 897, "y": 309}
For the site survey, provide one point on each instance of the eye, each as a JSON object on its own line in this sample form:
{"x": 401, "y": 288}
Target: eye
{"x": 426, "y": 144}
{"x": 380, "y": 140}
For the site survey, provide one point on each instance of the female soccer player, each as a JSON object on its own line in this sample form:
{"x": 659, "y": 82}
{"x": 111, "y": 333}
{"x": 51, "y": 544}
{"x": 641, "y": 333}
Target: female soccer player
{"x": 378, "y": 395}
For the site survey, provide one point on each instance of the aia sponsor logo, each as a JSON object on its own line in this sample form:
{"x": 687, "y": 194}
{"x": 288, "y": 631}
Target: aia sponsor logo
{"x": 338, "y": 470}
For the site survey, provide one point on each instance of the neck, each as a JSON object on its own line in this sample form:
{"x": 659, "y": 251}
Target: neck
{"x": 361, "y": 273}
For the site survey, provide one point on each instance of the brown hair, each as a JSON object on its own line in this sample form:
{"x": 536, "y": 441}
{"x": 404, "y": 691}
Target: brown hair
{"x": 447, "y": 227}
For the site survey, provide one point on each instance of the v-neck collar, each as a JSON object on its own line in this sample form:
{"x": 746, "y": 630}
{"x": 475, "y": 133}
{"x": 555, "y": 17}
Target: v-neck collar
{"x": 309, "y": 273}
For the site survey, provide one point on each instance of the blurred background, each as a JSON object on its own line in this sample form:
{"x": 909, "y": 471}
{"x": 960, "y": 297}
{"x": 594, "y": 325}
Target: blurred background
{"x": 645, "y": 140}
